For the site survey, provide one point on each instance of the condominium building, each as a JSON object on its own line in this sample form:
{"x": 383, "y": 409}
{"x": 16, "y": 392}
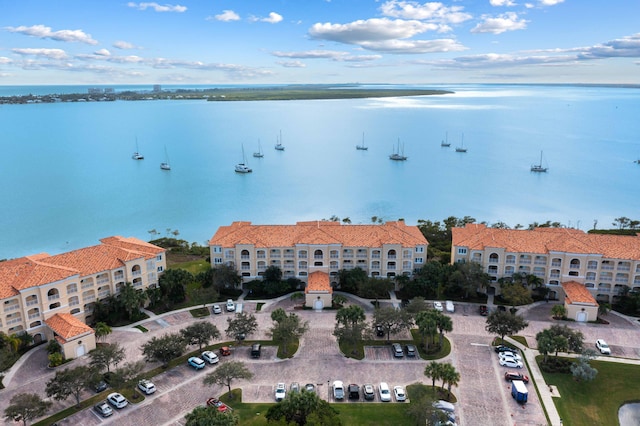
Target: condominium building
{"x": 34, "y": 289}
{"x": 382, "y": 250}
{"x": 605, "y": 264}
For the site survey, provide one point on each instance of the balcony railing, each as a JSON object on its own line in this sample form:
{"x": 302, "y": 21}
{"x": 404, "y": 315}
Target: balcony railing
{"x": 73, "y": 289}
{"x": 245, "y": 268}
{"x": 375, "y": 256}
{"x": 318, "y": 256}
{"x": 624, "y": 268}
{"x": 348, "y": 255}
{"x": 245, "y": 256}
{"x": 87, "y": 284}
{"x": 392, "y": 256}
{"x": 53, "y": 297}
{"x": 592, "y": 267}
{"x": 525, "y": 261}
{"x": 289, "y": 255}
{"x": 36, "y": 315}
{"x": 32, "y": 302}
{"x": 511, "y": 261}
{"x": 606, "y": 267}
{"x": 14, "y": 321}
{"x": 556, "y": 264}
{"x": 74, "y": 303}
{"x": 302, "y": 256}
{"x": 262, "y": 256}
{"x": 494, "y": 261}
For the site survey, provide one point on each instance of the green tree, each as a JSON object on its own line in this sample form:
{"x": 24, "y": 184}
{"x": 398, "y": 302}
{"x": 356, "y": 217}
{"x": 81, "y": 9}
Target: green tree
{"x": 153, "y": 295}
{"x": 427, "y": 327}
{"x": 205, "y": 416}
{"x": 516, "y": 294}
{"x": 104, "y": 356}
{"x": 244, "y": 324}
{"x": 350, "y": 324}
{"x": 559, "y": 338}
{"x": 164, "y": 348}
{"x": 272, "y": 274}
{"x": 505, "y": 323}
{"x": 226, "y": 373}
{"x": 200, "y": 333}
{"x": 433, "y": 371}
{"x": 131, "y": 300}
{"x": 297, "y": 407}
{"x": 392, "y": 320}
{"x": 603, "y": 309}
{"x": 417, "y": 305}
{"x": 352, "y": 280}
{"x": 287, "y": 329}
{"x": 220, "y": 277}
{"x": 421, "y": 409}
{"x": 340, "y": 299}
{"x": 449, "y": 376}
{"x": 128, "y": 375}
{"x": 24, "y": 407}
{"x": 101, "y": 330}
{"x": 173, "y": 285}
{"x": 69, "y": 382}
{"x": 559, "y": 311}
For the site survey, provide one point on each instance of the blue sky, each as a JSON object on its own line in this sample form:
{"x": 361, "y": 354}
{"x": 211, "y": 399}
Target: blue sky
{"x": 319, "y": 41}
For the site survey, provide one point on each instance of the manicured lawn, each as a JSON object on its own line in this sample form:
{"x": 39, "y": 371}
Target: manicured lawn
{"x": 596, "y": 402}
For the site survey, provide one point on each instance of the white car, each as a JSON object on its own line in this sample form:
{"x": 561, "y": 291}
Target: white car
{"x": 217, "y": 309}
{"x": 338, "y": 390}
{"x": 385, "y": 393}
{"x": 603, "y": 347}
{"x": 146, "y": 386}
{"x": 510, "y": 362}
{"x": 210, "y": 357}
{"x": 449, "y": 305}
{"x": 117, "y": 400}
{"x": 437, "y": 306}
{"x": 508, "y": 354}
{"x": 230, "y": 305}
{"x": 400, "y": 394}
{"x": 281, "y": 392}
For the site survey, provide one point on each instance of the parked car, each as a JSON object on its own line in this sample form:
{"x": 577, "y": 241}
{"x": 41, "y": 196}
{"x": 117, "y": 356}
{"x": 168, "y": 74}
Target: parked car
{"x": 512, "y": 375}
{"x": 411, "y": 350}
{"x": 385, "y": 393}
{"x": 295, "y": 387}
{"x": 397, "y": 350}
{"x": 603, "y": 347}
{"x": 484, "y": 310}
{"x": 216, "y": 309}
{"x": 117, "y": 400}
{"x": 510, "y": 362}
{"x": 101, "y": 386}
{"x": 444, "y": 406}
{"x": 449, "y": 305}
{"x": 503, "y": 348}
{"x": 196, "y": 362}
{"x": 310, "y": 387}
{"x": 502, "y": 308}
{"x": 225, "y": 351}
{"x": 508, "y": 354}
{"x": 338, "y": 390}
{"x": 437, "y": 306}
{"x": 210, "y": 357}
{"x": 353, "y": 391}
{"x": 146, "y": 386}
{"x": 369, "y": 392}
{"x": 256, "y": 349}
{"x": 218, "y": 405}
{"x": 230, "y": 305}
{"x": 398, "y": 391}
{"x": 281, "y": 392}
{"x": 379, "y": 331}
{"x": 103, "y": 409}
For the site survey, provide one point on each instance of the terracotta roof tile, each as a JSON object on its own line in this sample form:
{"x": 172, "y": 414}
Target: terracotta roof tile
{"x": 546, "y": 240}
{"x": 67, "y": 326}
{"x": 318, "y": 281}
{"x": 318, "y": 232}
{"x": 577, "y": 293}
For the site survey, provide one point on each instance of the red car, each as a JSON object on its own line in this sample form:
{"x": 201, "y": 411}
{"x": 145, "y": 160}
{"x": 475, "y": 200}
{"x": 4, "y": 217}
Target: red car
{"x": 484, "y": 311}
{"x": 225, "y": 351}
{"x": 509, "y": 376}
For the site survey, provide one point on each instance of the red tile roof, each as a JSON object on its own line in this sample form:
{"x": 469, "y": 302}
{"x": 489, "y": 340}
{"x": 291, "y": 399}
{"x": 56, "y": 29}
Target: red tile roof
{"x": 577, "y": 293}
{"x": 318, "y": 232}
{"x": 31, "y": 271}
{"x": 318, "y": 281}
{"x": 67, "y": 326}
{"x": 545, "y": 240}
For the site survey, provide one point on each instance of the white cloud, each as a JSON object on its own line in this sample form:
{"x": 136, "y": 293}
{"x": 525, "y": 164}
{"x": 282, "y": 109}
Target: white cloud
{"x": 42, "y": 31}
{"x": 414, "y": 46}
{"x": 550, "y": 2}
{"x": 227, "y": 15}
{"x": 273, "y": 18}
{"x": 369, "y": 30}
{"x": 502, "y": 3}
{"x": 102, "y": 52}
{"x": 291, "y": 64}
{"x": 4, "y": 60}
{"x": 497, "y": 25}
{"x": 46, "y": 53}
{"x": 432, "y": 11}
{"x": 124, "y": 45}
{"x": 157, "y": 7}
{"x": 334, "y": 55}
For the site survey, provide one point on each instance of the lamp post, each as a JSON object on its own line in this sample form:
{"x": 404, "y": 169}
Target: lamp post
{"x": 328, "y": 391}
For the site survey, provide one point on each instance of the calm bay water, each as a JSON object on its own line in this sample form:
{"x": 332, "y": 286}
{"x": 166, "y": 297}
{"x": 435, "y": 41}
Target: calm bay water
{"x": 67, "y": 177}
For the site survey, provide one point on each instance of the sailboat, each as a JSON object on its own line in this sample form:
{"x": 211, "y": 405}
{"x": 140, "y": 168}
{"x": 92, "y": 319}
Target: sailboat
{"x": 136, "y": 155}
{"x": 538, "y": 167}
{"x": 165, "y": 165}
{"x": 258, "y": 154}
{"x": 362, "y": 147}
{"x": 461, "y": 148}
{"x": 279, "y": 146}
{"x": 445, "y": 142}
{"x": 396, "y": 156}
{"x": 242, "y": 167}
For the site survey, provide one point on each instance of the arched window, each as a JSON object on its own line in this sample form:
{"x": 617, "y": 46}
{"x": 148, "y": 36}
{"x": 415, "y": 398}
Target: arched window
{"x": 53, "y": 294}
{"x": 391, "y": 254}
{"x": 574, "y": 264}
{"x": 494, "y": 258}
{"x": 318, "y": 254}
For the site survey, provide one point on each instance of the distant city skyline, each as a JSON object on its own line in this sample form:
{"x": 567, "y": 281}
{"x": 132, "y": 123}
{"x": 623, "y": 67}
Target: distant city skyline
{"x": 319, "y": 41}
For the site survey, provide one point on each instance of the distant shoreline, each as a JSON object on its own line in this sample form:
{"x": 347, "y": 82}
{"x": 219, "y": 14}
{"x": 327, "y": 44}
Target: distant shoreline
{"x": 275, "y": 93}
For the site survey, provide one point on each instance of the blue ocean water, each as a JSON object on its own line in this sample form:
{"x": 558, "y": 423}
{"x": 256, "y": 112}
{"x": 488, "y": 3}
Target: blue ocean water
{"x": 67, "y": 178}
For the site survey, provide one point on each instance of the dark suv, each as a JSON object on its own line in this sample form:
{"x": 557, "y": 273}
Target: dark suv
{"x": 379, "y": 331}
{"x": 354, "y": 391}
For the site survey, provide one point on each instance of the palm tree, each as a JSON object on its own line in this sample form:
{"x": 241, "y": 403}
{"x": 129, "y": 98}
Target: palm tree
{"x": 101, "y": 330}
{"x": 427, "y": 327}
{"x": 131, "y": 299}
{"x": 13, "y": 341}
{"x": 449, "y": 376}
{"x": 433, "y": 370}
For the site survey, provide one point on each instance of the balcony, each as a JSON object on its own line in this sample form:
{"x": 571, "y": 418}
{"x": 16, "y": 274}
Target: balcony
{"x": 392, "y": 256}
{"x": 348, "y": 255}
{"x": 289, "y": 255}
{"x": 302, "y": 256}
{"x": 74, "y": 303}
{"x": 606, "y": 267}
{"x": 245, "y": 256}
{"x": 136, "y": 273}
{"x": 540, "y": 262}
{"x": 554, "y": 275}
{"x": 53, "y": 297}
{"x": 391, "y": 268}
{"x": 592, "y": 267}
{"x": 334, "y": 267}
{"x": 262, "y": 256}
{"x": 556, "y": 264}
{"x": 14, "y": 320}
{"x": 363, "y": 256}
{"x": 334, "y": 256}
{"x": 33, "y": 316}
{"x": 87, "y": 284}
{"x": 375, "y": 256}
{"x": 318, "y": 256}
{"x": 494, "y": 261}
{"x": 32, "y": 302}
{"x": 624, "y": 268}
{"x": 103, "y": 280}
{"x": 525, "y": 261}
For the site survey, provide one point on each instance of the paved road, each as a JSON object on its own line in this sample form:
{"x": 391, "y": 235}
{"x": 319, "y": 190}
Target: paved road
{"x": 483, "y": 395}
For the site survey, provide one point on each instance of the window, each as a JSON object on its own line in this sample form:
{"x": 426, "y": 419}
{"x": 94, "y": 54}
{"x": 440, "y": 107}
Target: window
{"x": 462, "y": 250}
{"x": 159, "y": 257}
{"x": 160, "y": 268}
{"x": 216, "y": 261}
{"x": 418, "y": 260}
{"x": 419, "y": 249}
{"x": 217, "y": 249}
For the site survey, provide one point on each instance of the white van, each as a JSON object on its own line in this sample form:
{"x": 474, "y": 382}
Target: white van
{"x": 385, "y": 393}
{"x": 449, "y": 306}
